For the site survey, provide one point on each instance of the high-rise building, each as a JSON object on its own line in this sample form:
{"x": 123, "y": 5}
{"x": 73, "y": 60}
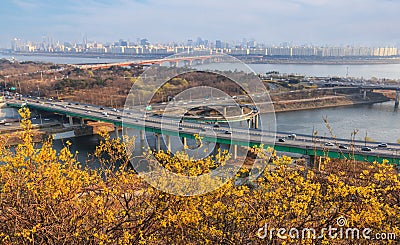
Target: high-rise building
{"x": 16, "y": 44}
{"x": 144, "y": 42}
{"x": 218, "y": 44}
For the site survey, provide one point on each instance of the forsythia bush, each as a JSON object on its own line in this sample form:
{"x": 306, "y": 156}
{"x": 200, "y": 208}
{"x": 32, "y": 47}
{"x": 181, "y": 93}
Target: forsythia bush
{"x": 47, "y": 197}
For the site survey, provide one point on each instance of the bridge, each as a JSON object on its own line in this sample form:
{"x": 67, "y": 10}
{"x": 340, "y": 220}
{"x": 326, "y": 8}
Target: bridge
{"x": 364, "y": 88}
{"x": 174, "y": 61}
{"x": 301, "y": 144}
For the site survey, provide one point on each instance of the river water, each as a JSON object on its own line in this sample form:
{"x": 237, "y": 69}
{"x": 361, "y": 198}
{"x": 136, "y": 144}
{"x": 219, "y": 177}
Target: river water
{"x": 379, "y": 121}
{"x": 389, "y": 71}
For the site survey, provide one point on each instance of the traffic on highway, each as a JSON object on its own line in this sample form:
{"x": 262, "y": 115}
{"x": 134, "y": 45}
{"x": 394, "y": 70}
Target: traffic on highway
{"x": 146, "y": 120}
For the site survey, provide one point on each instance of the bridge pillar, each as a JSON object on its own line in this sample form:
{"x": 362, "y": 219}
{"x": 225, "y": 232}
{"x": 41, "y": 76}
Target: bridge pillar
{"x": 225, "y": 112}
{"x": 82, "y": 121}
{"x": 116, "y": 131}
{"x": 124, "y": 132}
{"x": 396, "y": 101}
{"x": 141, "y": 135}
{"x": 184, "y": 142}
{"x": 173, "y": 63}
{"x": 71, "y": 120}
{"x": 315, "y": 162}
{"x": 218, "y": 149}
{"x": 234, "y": 154}
{"x": 256, "y": 119}
{"x": 168, "y": 138}
{"x": 365, "y": 94}
{"x": 249, "y": 123}
{"x": 158, "y": 139}
{"x": 187, "y": 63}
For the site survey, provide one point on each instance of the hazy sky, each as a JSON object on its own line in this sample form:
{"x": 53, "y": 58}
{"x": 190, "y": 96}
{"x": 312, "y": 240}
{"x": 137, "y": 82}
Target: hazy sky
{"x": 319, "y": 22}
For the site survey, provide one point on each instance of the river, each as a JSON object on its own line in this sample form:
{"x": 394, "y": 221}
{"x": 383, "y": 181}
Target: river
{"x": 389, "y": 71}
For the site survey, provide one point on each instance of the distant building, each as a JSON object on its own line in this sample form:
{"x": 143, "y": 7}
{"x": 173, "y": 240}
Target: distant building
{"x": 16, "y": 44}
{"x": 218, "y": 44}
{"x": 144, "y": 42}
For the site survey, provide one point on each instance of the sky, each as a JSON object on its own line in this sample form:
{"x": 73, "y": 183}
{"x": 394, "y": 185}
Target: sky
{"x": 298, "y": 22}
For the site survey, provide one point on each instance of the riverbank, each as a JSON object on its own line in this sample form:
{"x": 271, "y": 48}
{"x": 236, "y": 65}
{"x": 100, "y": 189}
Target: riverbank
{"x": 327, "y": 102}
{"x": 324, "y": 61}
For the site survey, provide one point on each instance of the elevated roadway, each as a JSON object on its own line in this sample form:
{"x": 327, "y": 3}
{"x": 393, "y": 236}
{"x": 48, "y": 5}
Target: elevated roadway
{"x": 284, "y": 142}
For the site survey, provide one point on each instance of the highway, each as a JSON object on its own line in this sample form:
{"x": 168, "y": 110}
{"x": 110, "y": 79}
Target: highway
{"x": 284, "y": 141}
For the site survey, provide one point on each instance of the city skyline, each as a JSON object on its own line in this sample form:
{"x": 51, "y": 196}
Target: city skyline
{"x": 310, "y": 22}
{"x": 244, "y": 48}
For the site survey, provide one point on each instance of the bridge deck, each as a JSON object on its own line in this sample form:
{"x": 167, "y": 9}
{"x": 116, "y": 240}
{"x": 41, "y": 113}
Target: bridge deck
{"x": 302, "y": 144}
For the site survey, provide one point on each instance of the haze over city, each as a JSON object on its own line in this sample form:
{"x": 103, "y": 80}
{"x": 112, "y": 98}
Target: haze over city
{"x": 316, "y": 22}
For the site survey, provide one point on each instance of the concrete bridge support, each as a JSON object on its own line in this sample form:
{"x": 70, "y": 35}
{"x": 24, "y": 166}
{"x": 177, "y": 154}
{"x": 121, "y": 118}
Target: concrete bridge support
{"x": 116, "y": 131}
{"x": 234, "y": 153}
{"x": 184, "y": 142}
{"x": 187, "y": 63}
{"x": 71, "y": 121}
{"x": 82, "y": 121}
{"x": 365, "y": 94}
{"x": 217, "y": 149}
{"x": 142, "y": 135}
{"x": 168, "y": 138}
{"x": 256, "y": 121}
{"x": 158, "y": 143}
{"x": 396, "y": 101}
{"x": 253, "y": 122}
{"x": 315, "y": 162}
{"x": 173, "y": 63}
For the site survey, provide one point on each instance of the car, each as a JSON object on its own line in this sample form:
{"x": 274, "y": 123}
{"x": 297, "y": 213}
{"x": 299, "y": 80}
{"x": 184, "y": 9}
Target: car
{"x": 216, "y": 126}
{"x": 76, "y": 103}
{"x": 228, "y": 132}
{"x": 69, "y": 103}
{"x": 118, "y": 117}
{"x": 203, "y": 129}
{"x": 343, "y": 147}
{"x": 281, "y": 140}
{"x": 180, "y": 128}
{"x": 101, "y": 108}
{"x": 383, "y": 145}
{"x": 366, "y": 148}
{"x": 292, "y": 136}
{"x": 88, "y": 112}
{"x": 329, "y": 144}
